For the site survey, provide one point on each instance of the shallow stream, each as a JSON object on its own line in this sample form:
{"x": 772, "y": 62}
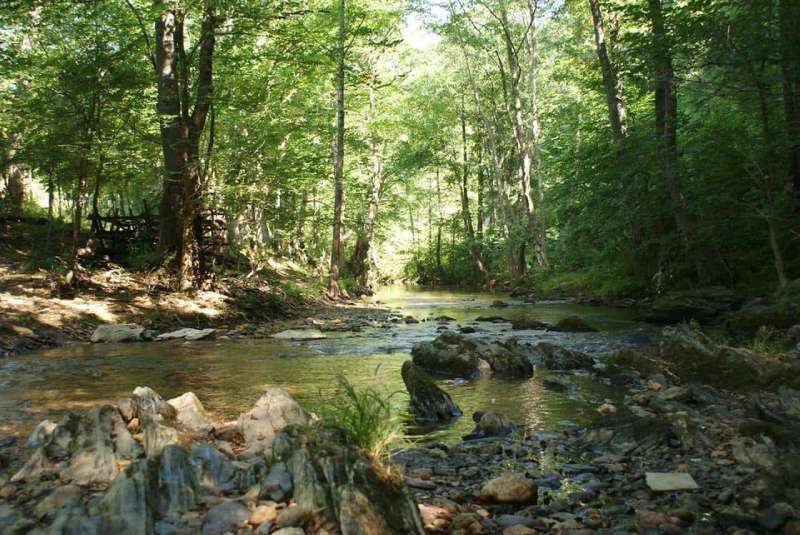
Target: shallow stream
{"x": 229, "y": 376}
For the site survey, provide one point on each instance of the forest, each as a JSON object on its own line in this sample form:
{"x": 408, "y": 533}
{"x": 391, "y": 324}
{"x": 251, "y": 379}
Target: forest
{"x": 627, "y": 146}
{"x": 577, "y": 221}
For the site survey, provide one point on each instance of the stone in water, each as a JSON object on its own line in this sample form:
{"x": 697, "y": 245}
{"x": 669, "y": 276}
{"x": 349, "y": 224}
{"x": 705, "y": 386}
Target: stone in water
{"x": 300, "y": 334}
{"x": 668, "y": 481}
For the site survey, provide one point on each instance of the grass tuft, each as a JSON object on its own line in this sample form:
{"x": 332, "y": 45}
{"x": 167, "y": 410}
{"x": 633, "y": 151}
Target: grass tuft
{"x": 366, "y": 416}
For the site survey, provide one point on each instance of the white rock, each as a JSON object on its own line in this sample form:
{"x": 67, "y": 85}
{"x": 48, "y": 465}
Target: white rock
{"x": 126, "y": 332}
{"x": 668, "y": 481}
{"x": 191, "y": 413}
{"x": 186, "y": 334}
{"x": 300, "y": 334}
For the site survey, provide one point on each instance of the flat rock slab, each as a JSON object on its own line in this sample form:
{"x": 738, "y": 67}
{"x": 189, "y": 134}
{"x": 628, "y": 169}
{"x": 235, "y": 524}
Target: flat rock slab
{"x": 300, "y": 334}
{"x": 126, "y": 332}
{"x": 186, "y": 334}
{"x": 668, "y": 481}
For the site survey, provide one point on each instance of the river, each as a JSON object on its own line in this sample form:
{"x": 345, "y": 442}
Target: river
{"x": 229, "y": 376}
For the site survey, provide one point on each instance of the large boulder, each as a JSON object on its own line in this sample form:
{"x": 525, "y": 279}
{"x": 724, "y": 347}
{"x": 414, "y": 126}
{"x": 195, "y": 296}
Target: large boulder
{"x": 699, "y": 304}
{"x": 452, "y": 354}
{"x": 694, "y": 357}
{"x": 572, "y": 324}
{"x": 555, "y": 357}
{"x": 339, "y": 483}
{"x": 448, "y": 354}
{"x": 274, "y": 410}
{"x": 84, "y": 449}
{"x": 109, "y": 333}
{"x": 428, "y": 401}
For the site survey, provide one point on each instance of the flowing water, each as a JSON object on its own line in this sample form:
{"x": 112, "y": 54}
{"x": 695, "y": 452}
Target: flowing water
{"x": 228, "y": 376}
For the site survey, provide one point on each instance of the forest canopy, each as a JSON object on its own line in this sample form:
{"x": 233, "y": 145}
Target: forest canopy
{"x": 628, "y": 145}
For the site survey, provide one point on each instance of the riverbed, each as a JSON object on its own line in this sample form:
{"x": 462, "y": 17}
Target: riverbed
{"x": 229, "y": 375}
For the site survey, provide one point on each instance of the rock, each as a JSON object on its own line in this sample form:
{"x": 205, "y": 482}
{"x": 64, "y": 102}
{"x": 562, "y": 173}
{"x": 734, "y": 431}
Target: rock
{"x": 176, "y": 482}
{"x": 607, "y": 408}
{"x": 555, "y": 357}
{"x": 448, "y": 354}
{"x": 700, "y": 304}
{"x": 84, "y": 449}
{"x": 492, "y": 319}
{"x": 274, "y": 410}
{"x": 278, "y": 484}
{"x": 694, "y": 357}
{"x": 63, "y": 497}
{"x": 342, "y": 484}
{"x": 266, "y": 512}
{"x": 157, "y": 419}
{"x": 670, "y": 481}
{"x": 573, "y": 324}
{"x": 191, "y": 414}
{"x": 214, "y": 471}
{"x": 40, "y": 434}
{"x": 428, "y": 401}
{"x": 186, "y": 334}
{"x": 499, "y": 304}
{"x": 129, "y": 505}
{"x": 289, "y": 531}
{"x": 506, "y": 521}
{"x": 128, "y": 332}
{"x": 467, "y": 524}
{"x": 490, "y": 424}
{"x": 452, "y": 354}
{"x": 510, "y": 488}
{"x": 519, "y": 529}
{"x": 225, "y": 517}
{"x": 752, "y": 316}
{"x": 559, "y": 383}
{"x": 296, "y": 515}
{"x": 506, "y": 359}
{"x": 529, "y": 325}
{"x": 467, "y": 329}
{"x": 300, "y": 334}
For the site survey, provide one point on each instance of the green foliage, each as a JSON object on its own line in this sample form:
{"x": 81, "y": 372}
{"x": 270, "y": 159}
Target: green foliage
{"x": 366, "y": 416}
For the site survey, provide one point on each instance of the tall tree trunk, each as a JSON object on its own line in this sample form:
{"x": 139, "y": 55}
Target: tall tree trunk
{"x": 617, "y": 116}
{"x": 338, "y": 161}
{"x": 540, "y": 225}
{"x": 13, "y": 175}
{"x": 789, "y": 13}
{"x": 191, "y": 261}
{"x": 472, "y": 243}
{"x": 615, "y": 101}
{"x": 181, "y": 130}
{"x": 666, "y": 106}
{"x": 362, "y": 262}
{"x": 438, "y": 226}
{"x": 168, "y": 107}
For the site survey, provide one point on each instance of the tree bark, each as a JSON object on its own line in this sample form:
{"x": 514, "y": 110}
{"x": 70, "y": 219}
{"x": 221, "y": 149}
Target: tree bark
{"x": 666, "y": 107}
{"x": 362, "y": 262}
{"x": 789, "y": 13}
{"x": 338, "y": 161}
{"x": 472, "y": 243}
{"x": 168, "y": 26}
{"x": 540, "y": 225}
{"x": 181, "y": 130}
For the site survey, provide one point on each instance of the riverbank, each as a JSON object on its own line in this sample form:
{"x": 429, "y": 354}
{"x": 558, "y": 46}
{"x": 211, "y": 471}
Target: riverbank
{"x": 36, "y": 314}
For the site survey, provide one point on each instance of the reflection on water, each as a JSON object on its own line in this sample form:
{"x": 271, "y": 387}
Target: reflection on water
{"x": 229, "y": 376}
